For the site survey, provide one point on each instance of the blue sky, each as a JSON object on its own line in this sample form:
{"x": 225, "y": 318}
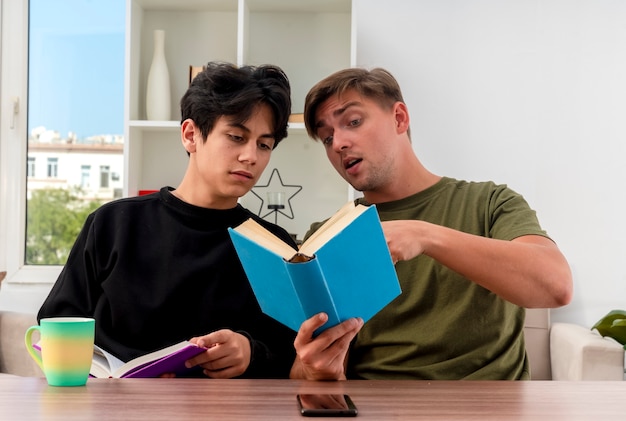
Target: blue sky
{"x": 76, "y": 66}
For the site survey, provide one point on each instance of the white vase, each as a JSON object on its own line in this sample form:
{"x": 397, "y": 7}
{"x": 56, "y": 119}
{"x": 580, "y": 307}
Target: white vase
{"x": 158, "y": 100}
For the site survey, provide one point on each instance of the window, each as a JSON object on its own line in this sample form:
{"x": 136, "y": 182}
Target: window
{"x": 85, "y": 174}
{"x": 76, "y": 58}
{"x": 53, "y": 167}
{"x": 30, "y": 169}
{"x": 104, "y": 176}
{"x": 62, "y": 77}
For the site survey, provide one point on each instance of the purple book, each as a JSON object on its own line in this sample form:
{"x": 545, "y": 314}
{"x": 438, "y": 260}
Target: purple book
{"x": 167, "y": 360}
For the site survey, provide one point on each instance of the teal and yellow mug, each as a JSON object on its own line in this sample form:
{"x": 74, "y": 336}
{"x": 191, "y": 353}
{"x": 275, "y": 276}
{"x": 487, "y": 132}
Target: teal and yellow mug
{"x": 66, "y": 349}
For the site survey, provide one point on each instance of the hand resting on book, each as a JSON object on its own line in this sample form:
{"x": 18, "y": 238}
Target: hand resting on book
{"x": 228, "y": 354}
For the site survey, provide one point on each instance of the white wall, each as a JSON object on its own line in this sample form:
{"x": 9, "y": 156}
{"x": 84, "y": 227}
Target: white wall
{"x": 527, "y": 93}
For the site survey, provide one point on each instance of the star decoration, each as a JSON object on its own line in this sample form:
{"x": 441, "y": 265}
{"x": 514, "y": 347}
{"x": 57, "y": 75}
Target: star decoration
{"x": 273, "y": 186}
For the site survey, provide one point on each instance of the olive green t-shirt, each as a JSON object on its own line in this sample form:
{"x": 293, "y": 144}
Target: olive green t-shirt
{"x": 444, "y": 326}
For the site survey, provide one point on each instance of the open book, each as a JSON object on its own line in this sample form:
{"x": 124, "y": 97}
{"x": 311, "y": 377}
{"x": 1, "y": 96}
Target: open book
{"x": 344, "y": 269}
{"x": 167, "y": 360}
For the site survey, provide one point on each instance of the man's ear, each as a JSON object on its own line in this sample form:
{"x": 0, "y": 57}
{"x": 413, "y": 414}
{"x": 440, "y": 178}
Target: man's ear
{"x": 401, "y": 114}
{"x": 189, "y": 132}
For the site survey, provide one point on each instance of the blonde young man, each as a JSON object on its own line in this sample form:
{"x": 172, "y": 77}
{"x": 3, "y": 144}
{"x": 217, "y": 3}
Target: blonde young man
{"x": 470, "y": 256}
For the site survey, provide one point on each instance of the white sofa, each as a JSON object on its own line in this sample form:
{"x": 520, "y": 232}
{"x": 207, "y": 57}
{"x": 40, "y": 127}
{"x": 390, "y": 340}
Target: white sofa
{"x": 14, "y": 359}
{"x": 578, "y": 353}
{"x": 565, "y": 351}
{"x": 560, "y": 351}
{"x": 537, "y": 336}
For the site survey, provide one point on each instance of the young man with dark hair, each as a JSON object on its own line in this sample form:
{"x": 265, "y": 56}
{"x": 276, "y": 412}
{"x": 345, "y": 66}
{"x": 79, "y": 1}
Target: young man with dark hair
{"x": 158, "y": 269}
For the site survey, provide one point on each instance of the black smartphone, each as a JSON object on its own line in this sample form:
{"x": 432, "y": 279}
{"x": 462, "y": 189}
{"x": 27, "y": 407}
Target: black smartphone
{"x": 326, "y": 405}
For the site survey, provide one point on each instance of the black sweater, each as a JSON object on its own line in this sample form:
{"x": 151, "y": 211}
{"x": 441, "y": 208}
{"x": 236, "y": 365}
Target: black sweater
{"x": 154, "y": 270}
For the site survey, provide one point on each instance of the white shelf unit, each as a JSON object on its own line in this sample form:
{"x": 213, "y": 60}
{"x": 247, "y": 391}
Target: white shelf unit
{"x": 309, "y": 39}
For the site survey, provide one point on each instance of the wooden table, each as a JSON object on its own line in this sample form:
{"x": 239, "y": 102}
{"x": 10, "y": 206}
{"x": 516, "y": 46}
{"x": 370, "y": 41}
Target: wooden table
{"x": 23, "y": 398}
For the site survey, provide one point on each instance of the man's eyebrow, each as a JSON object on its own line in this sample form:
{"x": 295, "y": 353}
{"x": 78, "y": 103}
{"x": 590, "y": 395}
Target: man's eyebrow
{"x": 339, "y": 111}
{"x": 345, "y": 107}
{"x": 247, "y": 130}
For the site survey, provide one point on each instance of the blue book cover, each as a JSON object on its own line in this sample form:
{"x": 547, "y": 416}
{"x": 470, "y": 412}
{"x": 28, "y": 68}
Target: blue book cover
{"x": 347, "y": 270}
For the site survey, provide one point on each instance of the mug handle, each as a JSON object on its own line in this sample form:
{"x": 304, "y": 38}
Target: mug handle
{"x": 28, "y": 340}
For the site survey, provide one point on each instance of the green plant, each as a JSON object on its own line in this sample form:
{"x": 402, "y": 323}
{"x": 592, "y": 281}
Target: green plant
{"x": 54, "y": 218}
{"x": 613, "y": 325}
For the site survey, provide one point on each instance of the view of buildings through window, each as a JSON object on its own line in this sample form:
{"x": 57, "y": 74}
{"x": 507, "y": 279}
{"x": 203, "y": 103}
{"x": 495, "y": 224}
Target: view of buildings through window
{"x": 75, "y": 119}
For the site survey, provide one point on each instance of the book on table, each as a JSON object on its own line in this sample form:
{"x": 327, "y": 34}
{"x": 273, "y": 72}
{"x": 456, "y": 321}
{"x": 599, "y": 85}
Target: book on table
{"x": 344, "y": 269}
{"x": 170, "y": 359}
{"x": 167, "y": 360}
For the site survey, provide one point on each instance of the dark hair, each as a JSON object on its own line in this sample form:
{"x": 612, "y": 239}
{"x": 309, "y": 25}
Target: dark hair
{"x": 377, "y": 84}
{"x": 223, "y": 89}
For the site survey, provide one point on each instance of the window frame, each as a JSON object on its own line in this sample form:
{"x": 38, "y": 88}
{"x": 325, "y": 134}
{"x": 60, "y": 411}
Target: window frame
{"x": 13, "y": 148}
{"x": 105, "y": 176}
{"x": 52, "y": 167}
{"x": 85, "y": 176}
{"x": 30, "y": 167}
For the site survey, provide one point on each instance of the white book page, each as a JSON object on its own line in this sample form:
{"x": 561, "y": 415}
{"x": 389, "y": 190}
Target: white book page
{"x": 106, "y": 360}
